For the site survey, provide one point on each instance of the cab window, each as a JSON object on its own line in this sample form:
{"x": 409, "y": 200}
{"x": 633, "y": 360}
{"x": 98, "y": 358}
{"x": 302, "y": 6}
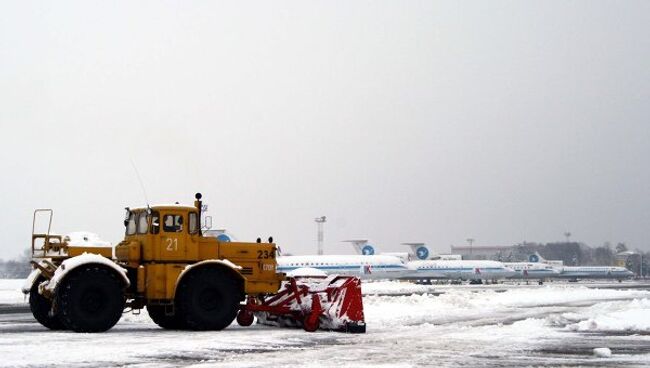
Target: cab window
{"x": 173, "y": 223}
{"x": 130, "y": 224}
{"x": 155, "y": 222}
{"x": 143, "y": 224}
{"x": 194, "y": 224}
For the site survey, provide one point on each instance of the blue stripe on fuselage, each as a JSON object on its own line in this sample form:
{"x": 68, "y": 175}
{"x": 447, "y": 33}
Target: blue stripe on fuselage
{"x": 348, "y": 267}
{"x": 489, "y": 269}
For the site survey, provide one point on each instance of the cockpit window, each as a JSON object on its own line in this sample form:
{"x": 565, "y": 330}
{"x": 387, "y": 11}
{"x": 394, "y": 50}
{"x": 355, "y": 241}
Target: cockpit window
{"x": 143, "y": 224}
{"x": 173, "y": 223}
{"x": 130, "y": 224}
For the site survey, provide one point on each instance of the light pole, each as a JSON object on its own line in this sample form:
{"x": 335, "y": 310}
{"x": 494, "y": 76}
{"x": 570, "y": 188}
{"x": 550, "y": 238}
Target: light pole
{"x": 568, "y": 236}
{"x": 470, "y": 241}
{"x": 319, "y": 223}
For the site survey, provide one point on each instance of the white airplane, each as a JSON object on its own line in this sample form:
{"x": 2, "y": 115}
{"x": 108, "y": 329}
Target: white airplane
{"x": 429, "y": 265}
{"x": 426, "y": 269}
{"x": 530, "y": 270}
{"x": 383, "y": 266}
{"x": 474, "y": 271}
{"x": 364, "y": 266}
{"x": 573, "y": 273}
{"x": 595, "y": 272}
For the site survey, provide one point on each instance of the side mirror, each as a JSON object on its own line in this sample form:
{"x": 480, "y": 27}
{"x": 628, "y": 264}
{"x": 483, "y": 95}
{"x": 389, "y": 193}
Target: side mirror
{"x": 207, "y": 222}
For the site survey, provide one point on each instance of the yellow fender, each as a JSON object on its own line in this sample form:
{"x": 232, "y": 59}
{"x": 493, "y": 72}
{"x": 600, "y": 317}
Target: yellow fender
{"x": 207, "y": 263}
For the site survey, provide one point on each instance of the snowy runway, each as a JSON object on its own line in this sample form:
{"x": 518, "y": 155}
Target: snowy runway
{"x": 549, "y": 326}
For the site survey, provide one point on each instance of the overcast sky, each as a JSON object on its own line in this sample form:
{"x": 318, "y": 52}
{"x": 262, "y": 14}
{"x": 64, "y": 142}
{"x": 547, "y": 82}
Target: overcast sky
{"x": 399, "y": 121}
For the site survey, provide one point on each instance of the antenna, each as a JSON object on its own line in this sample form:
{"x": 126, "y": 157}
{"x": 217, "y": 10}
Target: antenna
{"x": 137, "y": 173}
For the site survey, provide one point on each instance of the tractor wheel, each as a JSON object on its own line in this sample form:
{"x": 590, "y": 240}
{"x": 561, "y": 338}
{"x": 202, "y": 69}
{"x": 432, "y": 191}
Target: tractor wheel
{"x": 245, "y": 318}
{"x": 41, "y": 307}
{"x": 90, "y": 299}
{"x": 208, "y": 299}
{"x": 170, "y": 322}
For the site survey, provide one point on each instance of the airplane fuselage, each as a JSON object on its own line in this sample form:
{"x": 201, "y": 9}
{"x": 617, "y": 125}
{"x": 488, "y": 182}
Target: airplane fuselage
{"x": 463, "y": 270}
{"x": 364, "y": 266}
{"x": 595, "y": 272}
{"x": 530, "y": 270}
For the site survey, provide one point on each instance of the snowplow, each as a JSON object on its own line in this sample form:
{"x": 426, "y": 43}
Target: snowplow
{"x": 332, "y": 303}
{"x": 184, "y": 279}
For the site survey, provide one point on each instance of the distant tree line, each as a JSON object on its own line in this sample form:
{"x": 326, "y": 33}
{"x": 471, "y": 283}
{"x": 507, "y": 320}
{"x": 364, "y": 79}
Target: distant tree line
{"x": 16, "y": 268}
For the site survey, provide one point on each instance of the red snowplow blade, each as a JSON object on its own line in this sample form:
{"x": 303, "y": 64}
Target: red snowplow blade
{"x": 331, "y": 303}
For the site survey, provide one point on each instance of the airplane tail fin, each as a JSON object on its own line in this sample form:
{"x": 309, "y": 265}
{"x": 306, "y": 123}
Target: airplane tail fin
{"x": 221, "y": 234}
{"x": 419, "y": 250}
{"x": 362, "y": 247}
{"x": 536, "y": 258}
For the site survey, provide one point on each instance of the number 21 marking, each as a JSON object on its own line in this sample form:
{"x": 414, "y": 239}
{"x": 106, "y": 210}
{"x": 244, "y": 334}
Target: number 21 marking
{"x": 172, "y": 244}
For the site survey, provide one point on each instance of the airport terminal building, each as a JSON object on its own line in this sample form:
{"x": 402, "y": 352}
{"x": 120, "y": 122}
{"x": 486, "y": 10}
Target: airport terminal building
{"x": 497, "y": 253}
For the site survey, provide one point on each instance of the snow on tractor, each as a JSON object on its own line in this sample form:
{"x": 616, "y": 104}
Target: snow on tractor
{"x": 185, "y": 280}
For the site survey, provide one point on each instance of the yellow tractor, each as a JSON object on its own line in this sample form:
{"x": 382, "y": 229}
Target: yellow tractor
{"x": 184, "y": 279}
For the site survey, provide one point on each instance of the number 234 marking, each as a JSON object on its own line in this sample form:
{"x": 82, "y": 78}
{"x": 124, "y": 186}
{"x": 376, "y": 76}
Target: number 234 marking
{"x": 265, "y": 254}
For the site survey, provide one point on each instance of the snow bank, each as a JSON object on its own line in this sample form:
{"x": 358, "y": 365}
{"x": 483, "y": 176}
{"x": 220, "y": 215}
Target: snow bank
{"x": 631, "y": 316}
{"x": 306, "y": 272}
{"x": 10, "y": 292}
{"x": 464, "y": 306}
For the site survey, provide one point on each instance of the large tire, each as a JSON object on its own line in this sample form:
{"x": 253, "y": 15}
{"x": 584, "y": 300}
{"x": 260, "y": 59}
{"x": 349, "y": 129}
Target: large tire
{"x": 90, "y": 299}
{"x": 41, "y": 307}
{"x": 170, "y": 322}
{"x": 208, "y": 299}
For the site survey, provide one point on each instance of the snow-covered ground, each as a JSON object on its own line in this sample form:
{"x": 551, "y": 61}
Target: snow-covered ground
{"x": 10, "y": 292}
{"x": 550, "y": 326}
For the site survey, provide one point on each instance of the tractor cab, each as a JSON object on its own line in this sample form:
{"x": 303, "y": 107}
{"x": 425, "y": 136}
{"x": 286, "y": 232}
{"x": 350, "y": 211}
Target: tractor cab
{"x": 171, "y": 218}
{"x": 160, "y": 233}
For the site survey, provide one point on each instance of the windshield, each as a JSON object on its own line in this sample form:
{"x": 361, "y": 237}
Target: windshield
{"x": 130, "y": 224}
{"x": 143, "y": 223}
